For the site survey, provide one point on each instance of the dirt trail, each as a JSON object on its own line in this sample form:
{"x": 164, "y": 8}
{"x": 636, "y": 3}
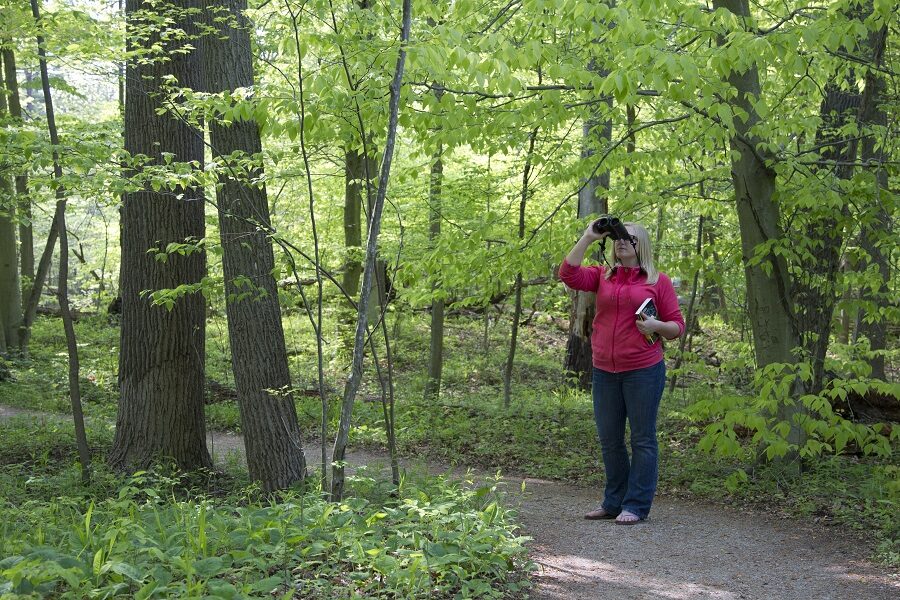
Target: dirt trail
{"x": 685, "y": 551}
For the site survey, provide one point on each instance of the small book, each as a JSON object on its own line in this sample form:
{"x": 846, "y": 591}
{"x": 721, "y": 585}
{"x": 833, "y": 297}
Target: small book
{"x": 645, "y": 310}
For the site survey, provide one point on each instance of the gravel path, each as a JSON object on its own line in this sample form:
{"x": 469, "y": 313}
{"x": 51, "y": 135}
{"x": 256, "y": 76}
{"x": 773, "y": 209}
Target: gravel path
{"x": 686, "y": 550}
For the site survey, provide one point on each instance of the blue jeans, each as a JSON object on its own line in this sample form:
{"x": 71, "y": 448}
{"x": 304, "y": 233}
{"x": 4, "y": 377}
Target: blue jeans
{"x": 632, "y": 395}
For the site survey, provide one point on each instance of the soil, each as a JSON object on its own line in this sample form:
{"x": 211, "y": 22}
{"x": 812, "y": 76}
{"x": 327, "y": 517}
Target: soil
{"x": 685, "y": 550}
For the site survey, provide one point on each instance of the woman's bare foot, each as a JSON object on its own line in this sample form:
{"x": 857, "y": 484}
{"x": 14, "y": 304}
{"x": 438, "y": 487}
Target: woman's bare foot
{"x": 627, "y": 518}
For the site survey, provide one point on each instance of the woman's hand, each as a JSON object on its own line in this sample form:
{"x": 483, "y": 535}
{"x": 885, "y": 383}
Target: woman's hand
{"x": 590, "y": 234}
{"x": 667, "y": 329}
{"x": 649, "y": 326}
{"x": 576, "y": 254}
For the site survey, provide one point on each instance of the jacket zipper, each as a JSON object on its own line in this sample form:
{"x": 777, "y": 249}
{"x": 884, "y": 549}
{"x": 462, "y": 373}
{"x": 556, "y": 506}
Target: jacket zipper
{"x": 616, "y": 321}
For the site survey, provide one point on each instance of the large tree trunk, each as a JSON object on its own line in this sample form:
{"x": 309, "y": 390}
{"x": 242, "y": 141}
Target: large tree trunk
{"x": 162, "y": 351}
{"x": 360, "y": 167}
{"x": 592, "y": 200}
{"x": 816, "y": 293}
{"x": 815, "y": 290}
{"x": 816, "y": 296}
{"x": 877, "y": 234}
{"x": 768, "y": 283}
{"x": 258, "y": 354}
{"x": 10, "y": 286}
{"x": 10, "y": 289}
{"x": 26, "y": 236}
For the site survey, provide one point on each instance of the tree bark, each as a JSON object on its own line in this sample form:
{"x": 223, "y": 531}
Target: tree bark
{"x": 814, "y": 289}
{"x": 816, "y": 293}
{"x": 10, "y": 288}
{"x": 26, "y": 235}
{"x": 357, "y": 176}
{"x": 258, "y": 353}
{"x": 162, "y": 352}
{"x": 436, "y": 348}
{"x": 579, "y": 357}
{"x": 10, "y": 284}
{"x": 769, "y": 298}
{"x": 517, "y": 311}
{"x": 876, "y": 235}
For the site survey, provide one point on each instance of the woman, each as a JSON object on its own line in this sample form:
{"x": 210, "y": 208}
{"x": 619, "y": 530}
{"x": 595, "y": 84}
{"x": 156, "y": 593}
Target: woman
{"x": 629, "y": 371}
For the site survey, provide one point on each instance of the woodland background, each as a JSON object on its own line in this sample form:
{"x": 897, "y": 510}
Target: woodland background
{"x": 322, "y": 223}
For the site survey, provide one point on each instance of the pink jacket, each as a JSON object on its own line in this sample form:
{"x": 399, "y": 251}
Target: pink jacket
{"x": 616, "y": 342}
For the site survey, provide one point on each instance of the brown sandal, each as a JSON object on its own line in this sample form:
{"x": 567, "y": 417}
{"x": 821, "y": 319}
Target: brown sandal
{"x": 599, "y": 514}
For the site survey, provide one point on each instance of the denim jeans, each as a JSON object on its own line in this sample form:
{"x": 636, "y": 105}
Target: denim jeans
{"x": 632, "y": 395}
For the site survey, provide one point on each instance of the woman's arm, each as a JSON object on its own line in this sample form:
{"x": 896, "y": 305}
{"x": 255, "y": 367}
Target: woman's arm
{"x": 572, "y": 273}
{"x": 576, "y": 254}
{"x": 668, "y": 329}
{"x": 670, "y": 323}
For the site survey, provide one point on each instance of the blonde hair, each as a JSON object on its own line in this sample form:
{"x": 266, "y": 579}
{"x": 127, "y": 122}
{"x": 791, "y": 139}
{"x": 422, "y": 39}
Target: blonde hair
{"x": 644, "y": 254}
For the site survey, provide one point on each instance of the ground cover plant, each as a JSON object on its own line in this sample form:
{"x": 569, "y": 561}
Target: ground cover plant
{"x": 162, "y": 534}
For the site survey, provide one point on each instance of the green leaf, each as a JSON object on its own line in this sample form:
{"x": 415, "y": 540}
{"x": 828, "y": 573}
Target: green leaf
{"x": 267, "y": 585}
{"x": 129, "y": 571}
{"x": 207, "y": 567}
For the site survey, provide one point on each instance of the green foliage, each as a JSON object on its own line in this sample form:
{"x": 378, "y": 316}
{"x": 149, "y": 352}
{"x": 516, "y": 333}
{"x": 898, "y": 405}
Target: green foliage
{"x": 155, "y": 535}
{"x": 759, "y": 417}
{"x": 41, "y": 382}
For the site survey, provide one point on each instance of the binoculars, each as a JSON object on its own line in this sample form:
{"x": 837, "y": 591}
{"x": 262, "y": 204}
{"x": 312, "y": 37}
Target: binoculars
{"x": 613, "y": 226}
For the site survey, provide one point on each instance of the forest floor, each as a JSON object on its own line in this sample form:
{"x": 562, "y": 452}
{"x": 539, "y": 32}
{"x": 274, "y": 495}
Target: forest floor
{"x": 685, "y": 550}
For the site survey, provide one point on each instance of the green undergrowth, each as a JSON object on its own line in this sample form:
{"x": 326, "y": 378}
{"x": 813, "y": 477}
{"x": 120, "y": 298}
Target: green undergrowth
{"x": 41, "y": 382}
{"x": 212, "y": 535}
{"x": 547, "y": 432}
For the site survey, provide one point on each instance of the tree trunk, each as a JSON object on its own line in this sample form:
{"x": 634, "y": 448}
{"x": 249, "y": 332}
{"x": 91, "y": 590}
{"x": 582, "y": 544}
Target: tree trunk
{"x": 876, "y": 235}
{"x": 10, "y": 284}
{"x": 517, "y": 312}
{"x": 592, "y": 200}
{"x": 26, "y": 235}
{"x": 162, "y": 352}
{"x": 258, "y": 353}
{"x": 691, "y": 312}
{"x": 74, "y": 366}
{"x": 357, "y": 177}
{"x": 34, "y": 295}
{"x": 436, "y": 352}
{"x": 815, "y": 289}
{"x": 715, "y": 293}
{"x": 768, "y": 284}
{"x": 10, "y": 288}
{"x": 843, "y": 333}
{"x": 63, "y": 282}
{"x": 352, "y": 387}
